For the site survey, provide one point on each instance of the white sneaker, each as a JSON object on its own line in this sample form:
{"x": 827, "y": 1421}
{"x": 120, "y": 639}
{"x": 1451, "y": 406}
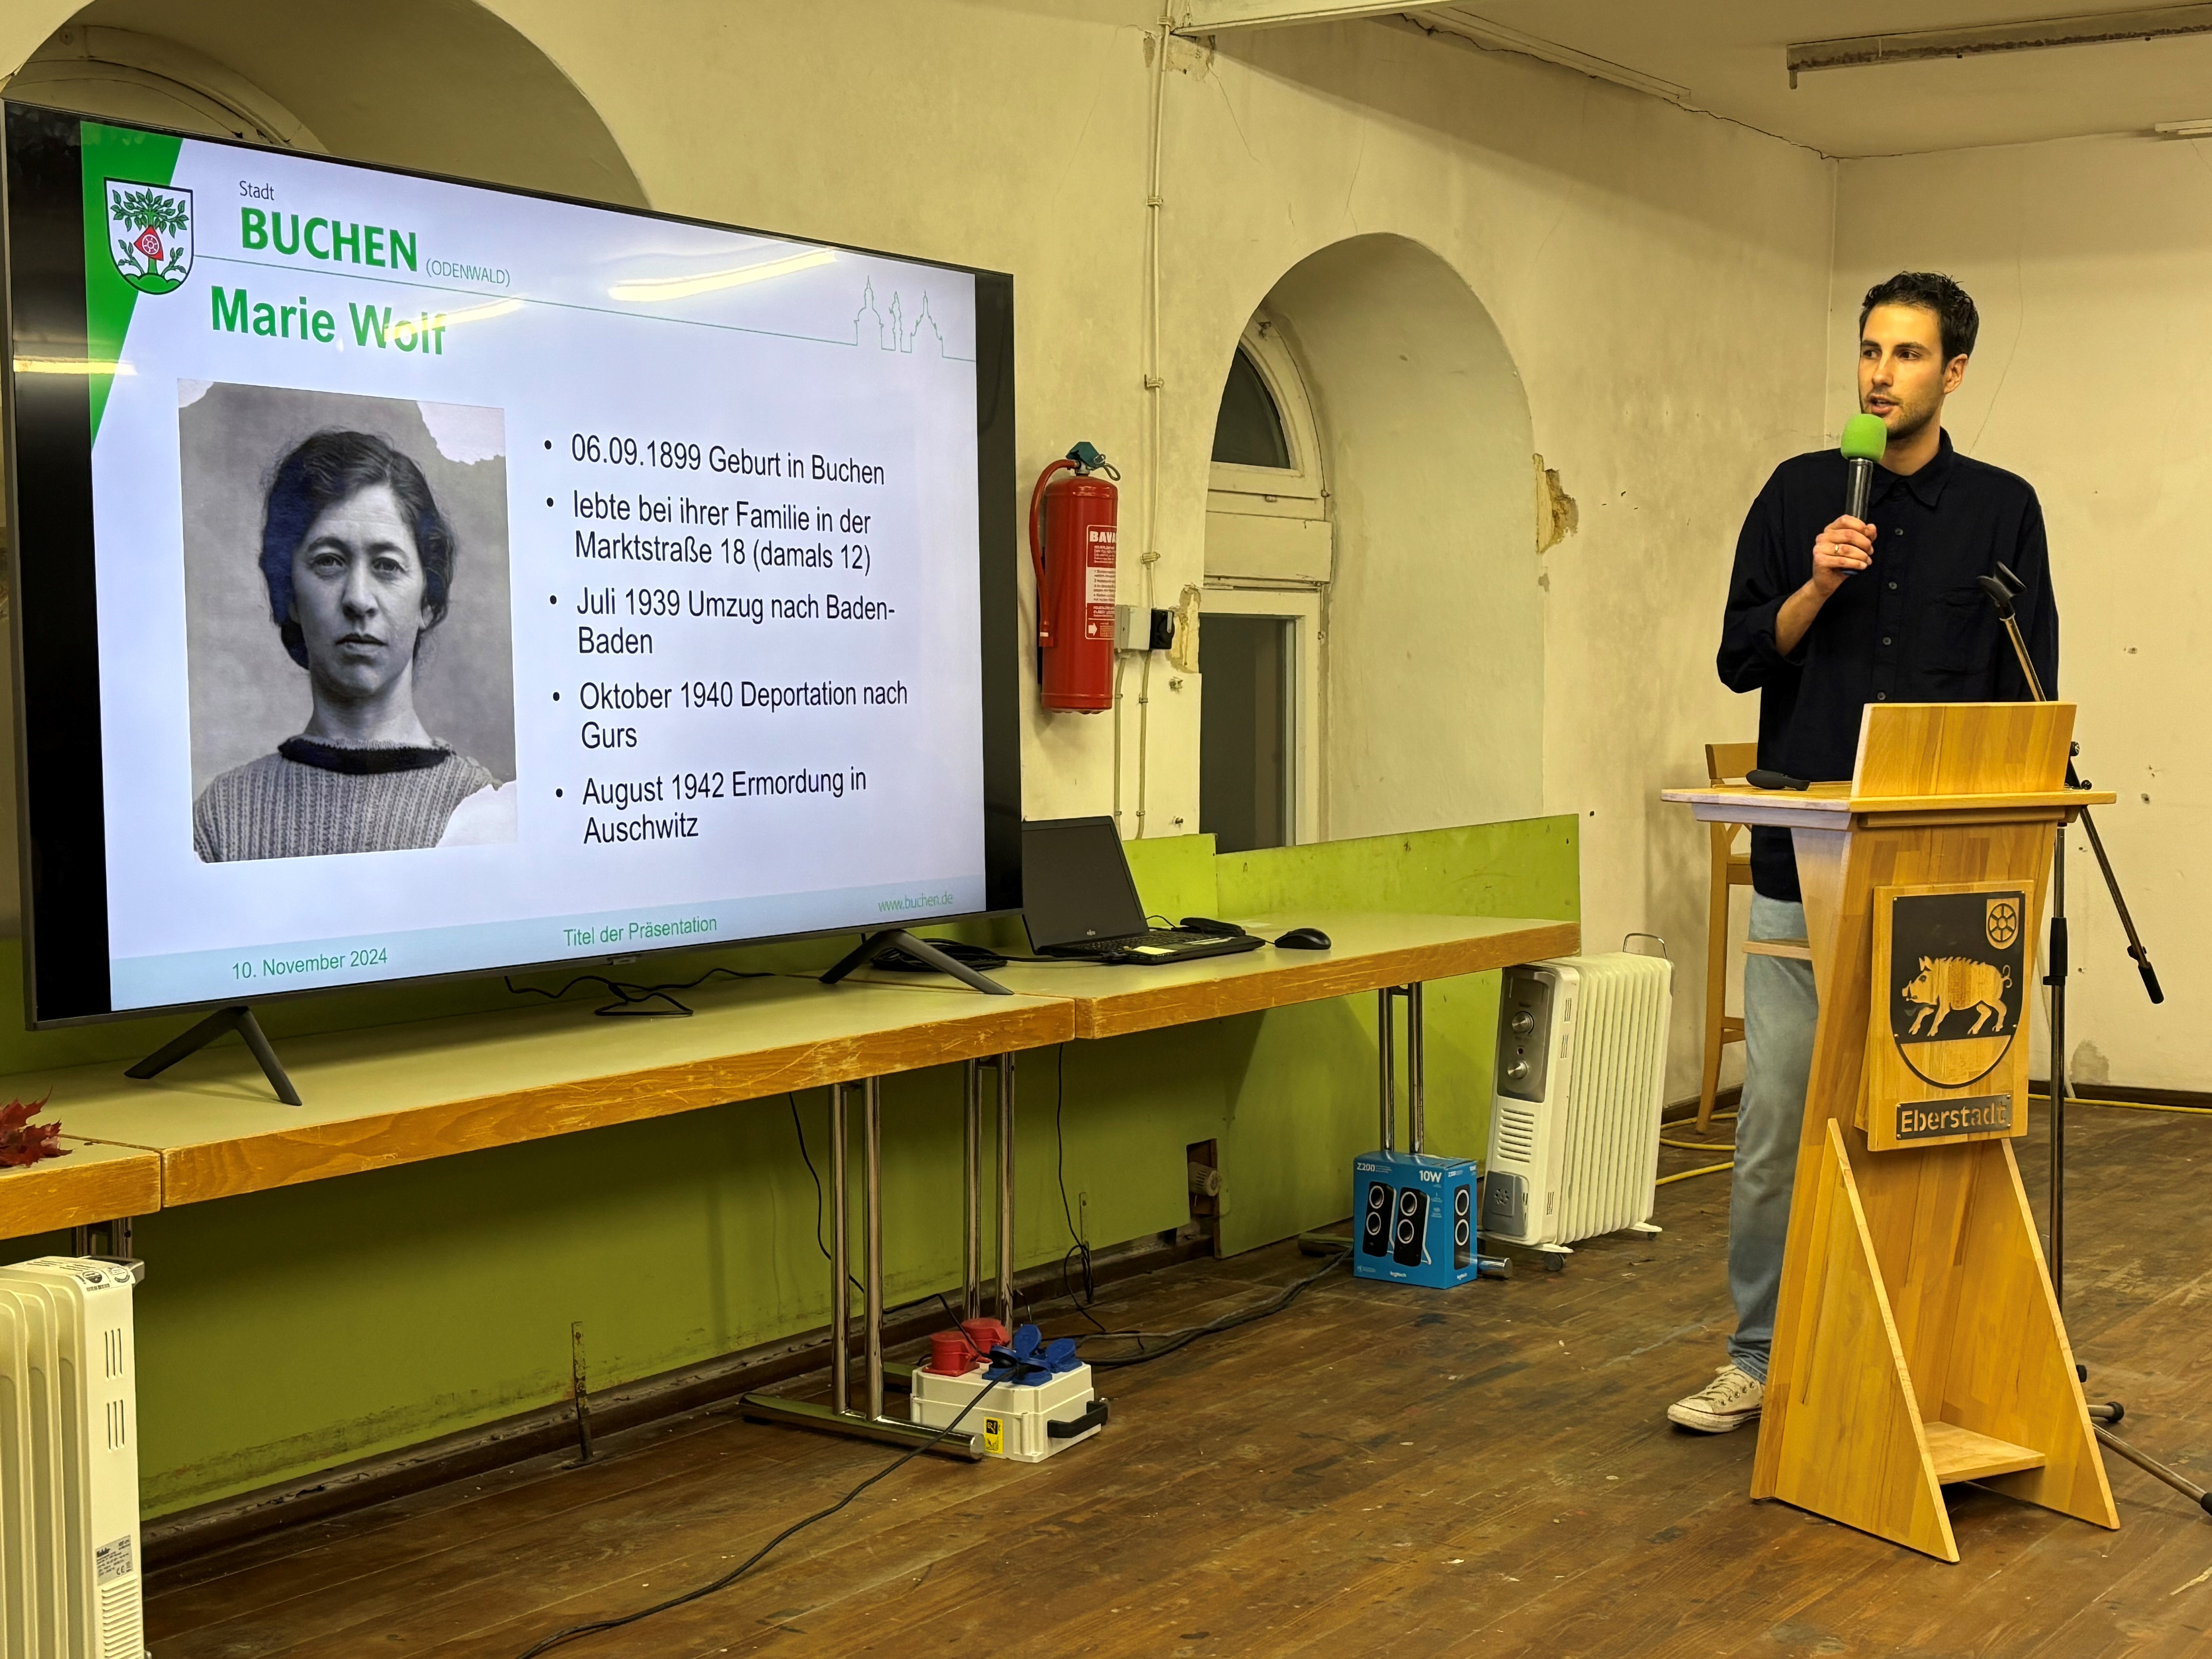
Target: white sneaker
{"x": 1731, "y": 1399}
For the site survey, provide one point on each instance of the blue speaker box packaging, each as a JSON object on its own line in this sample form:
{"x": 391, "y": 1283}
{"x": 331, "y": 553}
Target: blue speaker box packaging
{"x": 1414, "y": 1218}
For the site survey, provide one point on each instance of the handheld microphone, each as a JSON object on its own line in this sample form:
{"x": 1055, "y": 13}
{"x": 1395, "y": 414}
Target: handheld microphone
{"x": 1865, "y": 441}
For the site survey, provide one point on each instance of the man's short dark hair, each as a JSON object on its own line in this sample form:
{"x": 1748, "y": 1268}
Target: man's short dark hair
{"x": 324, "y": 470}
{"x": 1956, "y": 320}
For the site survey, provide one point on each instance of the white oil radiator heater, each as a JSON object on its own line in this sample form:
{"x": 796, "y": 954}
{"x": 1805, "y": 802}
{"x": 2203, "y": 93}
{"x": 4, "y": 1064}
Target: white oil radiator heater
{"x": 69, "y": 1581}
{"x": 1574, "y": 1118}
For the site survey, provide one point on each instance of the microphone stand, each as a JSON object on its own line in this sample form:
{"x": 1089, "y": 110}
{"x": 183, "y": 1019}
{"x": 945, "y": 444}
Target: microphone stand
{"x": 2002, "y": 589}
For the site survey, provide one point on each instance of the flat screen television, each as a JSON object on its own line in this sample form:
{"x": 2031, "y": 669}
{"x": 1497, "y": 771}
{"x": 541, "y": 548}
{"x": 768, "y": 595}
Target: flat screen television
{"x": 413, "y": 577}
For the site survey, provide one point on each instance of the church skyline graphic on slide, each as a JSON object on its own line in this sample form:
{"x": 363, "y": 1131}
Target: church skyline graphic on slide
{"x": 893, "y": 332}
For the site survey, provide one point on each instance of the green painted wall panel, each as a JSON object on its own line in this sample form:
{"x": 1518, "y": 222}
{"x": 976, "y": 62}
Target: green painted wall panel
{"x": 1306, "y": 1101}
{"x": 285, "y": 1332}
{"x": 1525, "y": 867}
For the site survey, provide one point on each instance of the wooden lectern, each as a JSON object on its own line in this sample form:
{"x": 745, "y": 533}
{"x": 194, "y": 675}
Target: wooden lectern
{"x": 1918, "y": 1341}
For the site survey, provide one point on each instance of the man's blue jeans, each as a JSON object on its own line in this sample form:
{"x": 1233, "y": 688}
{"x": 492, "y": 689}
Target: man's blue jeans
{"x": 1780, "y": 1011}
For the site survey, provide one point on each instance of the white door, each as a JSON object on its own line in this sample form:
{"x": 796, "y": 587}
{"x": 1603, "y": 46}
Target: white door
{"x": 1259, "y": 717}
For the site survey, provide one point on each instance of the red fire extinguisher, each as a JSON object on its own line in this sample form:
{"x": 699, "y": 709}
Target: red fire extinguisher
{"x": 1072, "y": 544}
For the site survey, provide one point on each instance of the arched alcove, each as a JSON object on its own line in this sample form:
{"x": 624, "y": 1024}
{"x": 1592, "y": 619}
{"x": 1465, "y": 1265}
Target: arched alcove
{"x": 442, "y": 85}
{"x": 1434, "y": 622}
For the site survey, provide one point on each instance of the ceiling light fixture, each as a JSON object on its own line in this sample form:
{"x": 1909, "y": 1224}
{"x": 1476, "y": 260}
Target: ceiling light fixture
{"x": 1222, "y": 16}
{"x": 1918, "y": 45}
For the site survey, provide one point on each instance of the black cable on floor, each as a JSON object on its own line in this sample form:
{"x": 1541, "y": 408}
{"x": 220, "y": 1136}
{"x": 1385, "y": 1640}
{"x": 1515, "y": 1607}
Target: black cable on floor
{"x": 1173, "y": 1341}
{"x": 1176, "y": 1340}
{"x": 559, "y": 1638}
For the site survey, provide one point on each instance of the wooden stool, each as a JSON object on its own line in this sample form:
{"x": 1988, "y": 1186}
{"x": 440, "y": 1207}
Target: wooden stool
{"x": 1725, "y": 762}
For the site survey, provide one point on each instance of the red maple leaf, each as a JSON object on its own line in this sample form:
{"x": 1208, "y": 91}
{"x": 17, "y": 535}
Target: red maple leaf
{"x": 148, "y": 243}
{"x": 24, "y": 1142}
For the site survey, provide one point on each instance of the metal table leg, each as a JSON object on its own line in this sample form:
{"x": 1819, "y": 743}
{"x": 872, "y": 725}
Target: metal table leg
{"x": 1007, "y": 1191}
{"x": 1416, "y": 1116}
{"x": 841, "y": 1272}
{"x": 971, "y": 1189}
{"x": 871, "y": 1233}
{"x": 1386, "y": 1048}
{"x": 114, "y": 1236}
{"x": 838, "y": 1417}
{"x": 1417, "y": 1126}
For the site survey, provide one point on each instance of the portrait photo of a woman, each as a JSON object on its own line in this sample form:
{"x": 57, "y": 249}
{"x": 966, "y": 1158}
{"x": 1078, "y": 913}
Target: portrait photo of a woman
{"x": 360, "y": 568}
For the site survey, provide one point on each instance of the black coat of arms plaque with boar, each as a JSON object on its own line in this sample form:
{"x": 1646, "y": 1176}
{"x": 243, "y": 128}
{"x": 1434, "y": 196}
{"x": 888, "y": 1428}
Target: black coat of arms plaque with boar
{"x": 1956, "y": 973}
{"x": 1957, "y": 965}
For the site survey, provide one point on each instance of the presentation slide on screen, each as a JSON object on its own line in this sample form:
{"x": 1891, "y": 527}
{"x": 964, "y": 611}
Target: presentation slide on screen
{"x": 486, "y": 580}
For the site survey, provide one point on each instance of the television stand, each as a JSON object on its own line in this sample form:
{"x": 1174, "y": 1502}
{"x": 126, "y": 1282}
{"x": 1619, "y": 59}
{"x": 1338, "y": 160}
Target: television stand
{"x": 872, "y": 946}
{"x": 239, "y": 1019}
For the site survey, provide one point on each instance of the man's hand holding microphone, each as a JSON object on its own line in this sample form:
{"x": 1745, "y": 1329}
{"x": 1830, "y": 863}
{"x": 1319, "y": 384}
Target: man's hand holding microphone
{"x": 1846, "y": 546}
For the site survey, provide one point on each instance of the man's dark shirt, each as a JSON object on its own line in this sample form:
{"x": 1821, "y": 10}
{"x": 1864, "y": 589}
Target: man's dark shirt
{"x": 1911, "y": 628}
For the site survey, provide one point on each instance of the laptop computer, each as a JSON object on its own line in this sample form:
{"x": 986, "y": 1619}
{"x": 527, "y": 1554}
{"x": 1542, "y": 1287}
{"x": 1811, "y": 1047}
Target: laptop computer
{"x": 1078, "y": 901}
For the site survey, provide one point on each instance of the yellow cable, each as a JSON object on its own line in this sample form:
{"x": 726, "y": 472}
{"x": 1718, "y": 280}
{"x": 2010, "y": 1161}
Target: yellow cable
{"x": 1697, "y": 1145}
{"x": 2130, "y": 1105}
{"x": 1710, "y": 1169}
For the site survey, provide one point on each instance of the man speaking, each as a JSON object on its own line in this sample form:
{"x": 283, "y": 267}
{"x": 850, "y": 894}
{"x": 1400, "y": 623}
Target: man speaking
{"x": 1828, "y": 613}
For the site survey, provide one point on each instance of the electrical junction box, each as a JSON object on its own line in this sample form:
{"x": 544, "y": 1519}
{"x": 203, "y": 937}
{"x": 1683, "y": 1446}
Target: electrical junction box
{"x": 1138, "y": 630}
{"x": 1023, "y": 1422}
{"x": 1412, "y": 1219}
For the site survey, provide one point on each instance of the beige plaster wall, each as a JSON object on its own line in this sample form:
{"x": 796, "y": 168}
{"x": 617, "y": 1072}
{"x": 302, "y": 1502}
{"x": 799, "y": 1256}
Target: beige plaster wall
{"x": 1658, "y": 280}
{"x": 1434, "y": 621}
{"x": 2091, "y": 262}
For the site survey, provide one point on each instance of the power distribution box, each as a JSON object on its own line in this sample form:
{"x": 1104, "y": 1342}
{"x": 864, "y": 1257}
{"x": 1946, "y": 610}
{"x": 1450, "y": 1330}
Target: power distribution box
{"x": 1025, "y": 1422}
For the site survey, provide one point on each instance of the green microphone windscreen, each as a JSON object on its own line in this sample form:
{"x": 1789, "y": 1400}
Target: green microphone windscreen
{"x": 1865, "y": 438}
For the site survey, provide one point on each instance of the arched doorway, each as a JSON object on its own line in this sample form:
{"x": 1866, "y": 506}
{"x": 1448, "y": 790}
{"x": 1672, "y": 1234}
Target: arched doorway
{"x": 1398, "y": 565}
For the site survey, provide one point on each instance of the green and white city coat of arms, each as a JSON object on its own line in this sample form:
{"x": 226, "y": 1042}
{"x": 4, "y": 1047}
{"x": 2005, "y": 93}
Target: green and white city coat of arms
{"x": 150, "y": 230}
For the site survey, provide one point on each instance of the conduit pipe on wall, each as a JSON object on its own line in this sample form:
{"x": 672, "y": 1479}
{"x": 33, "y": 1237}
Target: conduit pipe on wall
{"x": 1120, "y": 667}
{"x": 1153, "y": 386}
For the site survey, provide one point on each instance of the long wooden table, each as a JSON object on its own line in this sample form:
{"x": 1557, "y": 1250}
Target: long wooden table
{"x": 209, "y": 1127}
{"x": 1368, "y": 950}
{"x": 1389, "y": 953}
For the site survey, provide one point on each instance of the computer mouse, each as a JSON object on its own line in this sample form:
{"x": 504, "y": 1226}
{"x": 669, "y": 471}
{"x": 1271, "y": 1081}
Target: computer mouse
{"x": 1303, "y": 939}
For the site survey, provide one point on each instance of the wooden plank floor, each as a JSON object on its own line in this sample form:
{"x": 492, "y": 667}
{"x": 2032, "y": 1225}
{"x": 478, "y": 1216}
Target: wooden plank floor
{"x": 1377, "y": 1471}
